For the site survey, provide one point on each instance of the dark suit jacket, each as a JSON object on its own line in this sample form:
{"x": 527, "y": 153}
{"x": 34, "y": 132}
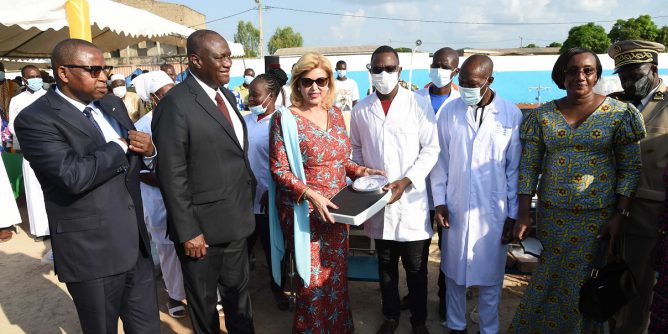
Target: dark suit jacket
{"x": 91, "y": 188}
{"x": 205, "y": 177}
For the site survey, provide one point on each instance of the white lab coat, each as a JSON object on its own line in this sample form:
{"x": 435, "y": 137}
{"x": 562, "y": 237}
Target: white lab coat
{"x": 424, "y": 93}
{"x": 39, "y": 221}
{"x": 403, "y": 144}
{"x": 476, "y": 176}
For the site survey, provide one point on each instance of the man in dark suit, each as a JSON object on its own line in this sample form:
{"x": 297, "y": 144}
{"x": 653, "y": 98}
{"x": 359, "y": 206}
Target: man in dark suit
{"x": 87, "y": 156}
{"x": 207, "y": 185}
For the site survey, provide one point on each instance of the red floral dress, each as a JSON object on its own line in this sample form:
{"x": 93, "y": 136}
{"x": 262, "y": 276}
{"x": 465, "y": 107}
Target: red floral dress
{"x": 323, "y": 306}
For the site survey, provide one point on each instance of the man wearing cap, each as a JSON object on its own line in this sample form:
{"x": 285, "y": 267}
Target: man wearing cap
{"x": 636, "y": 64}
{"x": 131, "y": 100}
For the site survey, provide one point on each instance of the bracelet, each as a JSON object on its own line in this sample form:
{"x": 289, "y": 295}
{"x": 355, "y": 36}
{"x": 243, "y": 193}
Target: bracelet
{"x": 624, "y": 212}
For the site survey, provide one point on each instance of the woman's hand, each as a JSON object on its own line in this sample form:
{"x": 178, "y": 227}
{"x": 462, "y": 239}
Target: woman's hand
{"x": 612, "y": 229}
{"x": 365, "y": 171}
{"x": 321, "y": 204}
{"x": 522, "y": 226}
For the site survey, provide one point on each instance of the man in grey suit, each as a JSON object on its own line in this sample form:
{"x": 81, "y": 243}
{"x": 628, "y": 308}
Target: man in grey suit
{"x": 207, "y": 185}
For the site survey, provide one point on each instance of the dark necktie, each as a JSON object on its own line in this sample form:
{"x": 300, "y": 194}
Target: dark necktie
{"x": 88, "y": 112}
{"x": 223, "y": 108}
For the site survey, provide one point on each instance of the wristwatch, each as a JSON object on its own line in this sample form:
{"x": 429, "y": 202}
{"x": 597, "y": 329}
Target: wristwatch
{"x": 624, "y": 212}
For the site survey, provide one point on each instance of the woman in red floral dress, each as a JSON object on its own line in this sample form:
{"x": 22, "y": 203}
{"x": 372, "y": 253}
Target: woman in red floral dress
{"x": 323, "y": 306}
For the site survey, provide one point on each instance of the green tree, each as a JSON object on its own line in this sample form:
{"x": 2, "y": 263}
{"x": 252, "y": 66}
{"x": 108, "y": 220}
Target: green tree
{"x": 403, "y": 49}
{"x": 641, "y": 28}
{"x": 284, "y": 38}
{"x": 554, "y": 45}
{"x": 531, "y": 46}
{"x": 249, "y": 37}
{"x": 591, "y": 36}
{"x": 662, "y": 37}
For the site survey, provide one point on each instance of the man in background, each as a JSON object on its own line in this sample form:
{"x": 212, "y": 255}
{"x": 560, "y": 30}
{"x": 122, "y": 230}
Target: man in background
{"x": 347, "y": 92}
{"x": 131, "y": 100}
{"x": 39, "y": 222}
{"x": 636, "y": 64}
{"x": 249, "y": 75}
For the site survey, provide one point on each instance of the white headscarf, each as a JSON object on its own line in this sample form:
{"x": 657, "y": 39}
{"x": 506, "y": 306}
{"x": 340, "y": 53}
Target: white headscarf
{"x": 115, "y": 77}
{"x": 149, "y": 83}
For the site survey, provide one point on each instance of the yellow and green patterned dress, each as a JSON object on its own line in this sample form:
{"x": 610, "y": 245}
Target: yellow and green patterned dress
{"x": 582, "y": 171}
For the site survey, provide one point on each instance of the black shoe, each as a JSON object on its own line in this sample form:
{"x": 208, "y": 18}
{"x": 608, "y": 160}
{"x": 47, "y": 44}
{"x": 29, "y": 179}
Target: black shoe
{"x": 421, "y": 329}
{"x": 458, "y": 331}
{"x": 388, "y": 327}
{"x": 404, "y": 304}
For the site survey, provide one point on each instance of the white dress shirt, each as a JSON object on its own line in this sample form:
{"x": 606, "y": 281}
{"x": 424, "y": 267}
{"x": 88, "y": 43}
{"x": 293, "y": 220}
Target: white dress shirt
{"x": 112, "y": 131}
{"x": 236, "y": 121}
{"x": 108, "y": 131}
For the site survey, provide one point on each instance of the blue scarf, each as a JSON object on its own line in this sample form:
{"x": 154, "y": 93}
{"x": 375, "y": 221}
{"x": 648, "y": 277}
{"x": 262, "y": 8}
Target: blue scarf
{"x": 302, "y": 229}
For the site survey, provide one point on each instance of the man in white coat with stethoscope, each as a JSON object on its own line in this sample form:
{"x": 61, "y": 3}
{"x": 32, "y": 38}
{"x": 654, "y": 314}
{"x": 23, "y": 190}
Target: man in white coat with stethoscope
{"x": 474, "y": 187}
{"x": 444, "y": 67}
{"x": 395, "y": 131}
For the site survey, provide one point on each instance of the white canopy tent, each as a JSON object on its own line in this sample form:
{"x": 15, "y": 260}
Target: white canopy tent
{"x": 30, "y": 29}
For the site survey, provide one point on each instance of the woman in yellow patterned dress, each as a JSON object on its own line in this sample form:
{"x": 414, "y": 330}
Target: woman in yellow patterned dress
{"x": 585, "y": 147}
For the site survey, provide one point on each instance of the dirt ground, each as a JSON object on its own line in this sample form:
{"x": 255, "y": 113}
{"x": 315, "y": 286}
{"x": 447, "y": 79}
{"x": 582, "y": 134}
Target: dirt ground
{"x": 33, "y": 301}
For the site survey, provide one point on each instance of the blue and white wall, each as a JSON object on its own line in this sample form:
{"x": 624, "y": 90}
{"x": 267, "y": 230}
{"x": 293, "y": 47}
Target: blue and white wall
{"x": 513, "y": 75}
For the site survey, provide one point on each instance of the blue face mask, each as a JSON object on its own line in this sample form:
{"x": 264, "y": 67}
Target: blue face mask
{"x": 259, "y": 109}
{"x": 472, "y": 96}
{"x": 341, "y": 73}
{"x": 248, "y": 79}
{"x": 35, "y": 84}
{"x": 2, "y": 75}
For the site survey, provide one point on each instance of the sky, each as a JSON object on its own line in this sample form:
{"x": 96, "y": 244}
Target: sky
{"x": 334, "y": 30}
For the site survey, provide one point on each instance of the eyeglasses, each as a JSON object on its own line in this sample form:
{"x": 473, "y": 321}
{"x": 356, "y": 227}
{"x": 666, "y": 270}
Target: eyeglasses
{"x": 307, "y": 82}
{"x": 380, "y": 69}
{"x": 575, "y": 71}
{"x": 93, "y": 70}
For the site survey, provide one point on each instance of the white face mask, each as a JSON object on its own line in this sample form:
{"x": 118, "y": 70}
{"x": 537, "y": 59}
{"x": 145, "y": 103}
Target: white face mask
{"x": 440, "y": 77}
{"x": 259, "y": 109}
{"x": 340, "y": 73}
{"x": 120, "y": 91}
{"x": 248, "y": 79}
{"x": 385, "y": 82}
{"x": 472, "y": 96}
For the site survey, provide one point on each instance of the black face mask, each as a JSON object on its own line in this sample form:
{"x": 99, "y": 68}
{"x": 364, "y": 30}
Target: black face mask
{"x": 642, "y": 87}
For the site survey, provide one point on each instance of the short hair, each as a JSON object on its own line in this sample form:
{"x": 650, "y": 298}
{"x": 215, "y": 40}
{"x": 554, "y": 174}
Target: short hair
{"x": 166, "y": 66}
{"x": 275, "y": 78}
{"x": 67, "y": 50}
{"x": 384, "y": 49}
{"x": 195, "y": 40}
{"x": 558, "y": 71}
{"x": 24, "y": 69}
{"x": 305, "y": 64}
{"x": 2, "y": 66}
{"x": 341, "y": 62}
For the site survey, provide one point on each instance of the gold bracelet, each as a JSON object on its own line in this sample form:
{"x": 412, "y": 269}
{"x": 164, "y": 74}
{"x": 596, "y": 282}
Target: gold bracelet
{"x": 303, "y": 194}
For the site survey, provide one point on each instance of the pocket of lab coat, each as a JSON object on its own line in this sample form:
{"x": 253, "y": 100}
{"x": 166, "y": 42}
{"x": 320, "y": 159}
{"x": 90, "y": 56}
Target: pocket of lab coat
{"x": 500, "y": 141}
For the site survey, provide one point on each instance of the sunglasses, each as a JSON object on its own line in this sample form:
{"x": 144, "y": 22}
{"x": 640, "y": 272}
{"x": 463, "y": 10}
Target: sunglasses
{"x": 381, "y": 69}
{"x": 321, "y": 82}
{"x": 93, "y": 70}
{"x": 575, "y": 71}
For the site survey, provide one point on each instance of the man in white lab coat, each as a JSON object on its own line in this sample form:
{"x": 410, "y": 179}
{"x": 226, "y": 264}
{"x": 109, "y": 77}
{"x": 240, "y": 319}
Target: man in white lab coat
{"x": 39, "y": 222}
{"x": 474, "y": 187}
{"x": 444, "y": 67}
{"x": 395, "y": 131}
